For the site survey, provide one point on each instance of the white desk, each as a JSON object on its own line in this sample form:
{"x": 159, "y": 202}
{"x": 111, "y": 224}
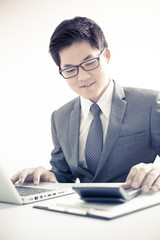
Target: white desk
{"x": 26, "y": 223}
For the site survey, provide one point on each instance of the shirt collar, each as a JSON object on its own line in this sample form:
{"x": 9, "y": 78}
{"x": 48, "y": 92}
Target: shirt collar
{"x": 104, "y": 102}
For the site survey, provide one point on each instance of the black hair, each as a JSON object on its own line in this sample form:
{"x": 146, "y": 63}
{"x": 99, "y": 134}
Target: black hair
{"x": 76, "y": 30}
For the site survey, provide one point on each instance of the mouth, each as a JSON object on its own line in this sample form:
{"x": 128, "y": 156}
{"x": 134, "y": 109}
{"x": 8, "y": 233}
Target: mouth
{"x": 87, "y": 85}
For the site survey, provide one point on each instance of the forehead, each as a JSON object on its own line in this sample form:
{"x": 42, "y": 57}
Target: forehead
{"x": 77, "y": 53}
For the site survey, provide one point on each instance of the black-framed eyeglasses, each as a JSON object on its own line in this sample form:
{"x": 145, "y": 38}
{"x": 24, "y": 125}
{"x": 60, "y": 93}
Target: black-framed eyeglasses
{"x": 88, "y": 65}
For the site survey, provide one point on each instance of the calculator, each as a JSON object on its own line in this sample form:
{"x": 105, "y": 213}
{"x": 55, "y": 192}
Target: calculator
{"x": 97, "y": 193}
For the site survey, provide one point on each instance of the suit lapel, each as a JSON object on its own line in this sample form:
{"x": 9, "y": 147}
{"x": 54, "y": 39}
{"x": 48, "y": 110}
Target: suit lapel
{"x": 116, "y": 117}
{"x": 74, "y": 133}
{"x": 74, "y": 139}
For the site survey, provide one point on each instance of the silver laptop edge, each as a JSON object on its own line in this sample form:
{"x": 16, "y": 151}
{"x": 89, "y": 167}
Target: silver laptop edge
{"x": 9, "y": 194}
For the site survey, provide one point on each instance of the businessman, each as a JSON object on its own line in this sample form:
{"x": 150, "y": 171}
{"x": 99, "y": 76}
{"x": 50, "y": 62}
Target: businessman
{"x": 109, "y": 133}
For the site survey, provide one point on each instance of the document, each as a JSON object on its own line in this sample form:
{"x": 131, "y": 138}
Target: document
{"x": 75, "y": 205}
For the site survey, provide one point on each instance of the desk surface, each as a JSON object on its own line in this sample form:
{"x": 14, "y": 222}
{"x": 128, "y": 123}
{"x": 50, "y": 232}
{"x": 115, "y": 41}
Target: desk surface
{"x": 19, "y": 222}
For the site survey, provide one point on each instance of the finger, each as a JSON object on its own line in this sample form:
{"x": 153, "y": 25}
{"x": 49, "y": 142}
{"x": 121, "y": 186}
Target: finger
{"x": 44, "y": 175}
{"x": 138, "y": 174}
{"x": 15, "y": 177}
{"x": 125, "y": 185}
{"x": 156, "y": 185}
{"x": 131, "y": 176}
{"x": 151, "y": 179}
{"x": 37, "y": 174}
{"x": 142, "y": 174}
{"x": 24, "y": 175}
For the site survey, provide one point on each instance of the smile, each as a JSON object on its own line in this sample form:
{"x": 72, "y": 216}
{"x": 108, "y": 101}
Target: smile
{"x": 87, "y": 85}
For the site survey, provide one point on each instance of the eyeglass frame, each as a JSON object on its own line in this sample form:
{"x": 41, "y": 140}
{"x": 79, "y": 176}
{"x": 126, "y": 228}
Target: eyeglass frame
{"x": 80, "y": 65}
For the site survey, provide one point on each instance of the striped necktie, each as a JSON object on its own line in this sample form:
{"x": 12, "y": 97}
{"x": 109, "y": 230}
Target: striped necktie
{"x": 94, "y": 142}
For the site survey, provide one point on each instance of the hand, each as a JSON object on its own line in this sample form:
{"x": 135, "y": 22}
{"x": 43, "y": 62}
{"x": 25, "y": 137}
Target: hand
{"x": 34, "y": 174}
{"x": 145, "y": 176}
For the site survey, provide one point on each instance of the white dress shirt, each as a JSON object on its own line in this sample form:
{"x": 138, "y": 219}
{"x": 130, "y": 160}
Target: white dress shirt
{"x": 104, "y": 103}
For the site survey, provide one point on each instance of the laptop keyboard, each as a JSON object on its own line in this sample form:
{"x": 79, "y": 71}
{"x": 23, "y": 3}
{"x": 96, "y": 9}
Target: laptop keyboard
{"x": 27, "y": 191}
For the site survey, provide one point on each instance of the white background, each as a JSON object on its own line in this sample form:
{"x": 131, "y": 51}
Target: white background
{"x": 30, "y": 86}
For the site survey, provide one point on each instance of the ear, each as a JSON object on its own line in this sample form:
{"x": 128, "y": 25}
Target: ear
{"x": 107, "y": 54}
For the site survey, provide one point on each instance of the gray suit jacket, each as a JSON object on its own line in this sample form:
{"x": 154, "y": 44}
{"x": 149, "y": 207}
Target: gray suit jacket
{"x": 133, "y": 136}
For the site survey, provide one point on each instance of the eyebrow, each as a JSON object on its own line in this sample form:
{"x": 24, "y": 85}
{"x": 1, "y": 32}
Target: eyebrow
{"x": 71, "y": 65}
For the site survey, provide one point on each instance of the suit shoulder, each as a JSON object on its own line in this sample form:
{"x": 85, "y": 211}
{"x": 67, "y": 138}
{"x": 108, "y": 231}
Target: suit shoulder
{"x": 66, "y": 108}
{"x": 140, "y": 92}
{"x": 142, "y": 98}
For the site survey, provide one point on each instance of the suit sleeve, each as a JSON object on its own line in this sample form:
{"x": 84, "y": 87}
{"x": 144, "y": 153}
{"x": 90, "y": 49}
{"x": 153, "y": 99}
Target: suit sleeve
{"x": 155, "y": 123}
{"x": 58, "y": 162}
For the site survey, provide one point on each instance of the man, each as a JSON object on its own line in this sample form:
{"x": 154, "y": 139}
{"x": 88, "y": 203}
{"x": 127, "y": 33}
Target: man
{"x": 117, "y": 143}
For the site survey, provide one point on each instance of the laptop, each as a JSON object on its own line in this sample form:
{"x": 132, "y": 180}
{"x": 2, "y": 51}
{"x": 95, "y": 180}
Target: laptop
{"x": 28, "y": 193}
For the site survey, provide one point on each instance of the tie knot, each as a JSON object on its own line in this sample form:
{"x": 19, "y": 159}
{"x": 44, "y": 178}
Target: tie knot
{"x": 95, "y": 110}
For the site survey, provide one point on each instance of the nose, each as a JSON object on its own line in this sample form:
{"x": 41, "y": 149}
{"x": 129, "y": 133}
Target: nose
{"x": 83, "y": 75}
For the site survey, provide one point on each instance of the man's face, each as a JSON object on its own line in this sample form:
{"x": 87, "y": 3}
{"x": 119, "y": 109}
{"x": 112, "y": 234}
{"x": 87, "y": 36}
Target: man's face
{"x": 88, "y": 84}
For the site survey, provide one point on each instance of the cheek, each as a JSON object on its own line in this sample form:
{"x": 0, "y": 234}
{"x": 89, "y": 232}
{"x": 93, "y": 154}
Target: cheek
{"x": 101, "y": 75}
{"x": 72, "y": 84}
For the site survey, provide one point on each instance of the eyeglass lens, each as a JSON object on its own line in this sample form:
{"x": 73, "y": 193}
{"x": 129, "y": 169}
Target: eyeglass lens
{"x": 87, "y": 66}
